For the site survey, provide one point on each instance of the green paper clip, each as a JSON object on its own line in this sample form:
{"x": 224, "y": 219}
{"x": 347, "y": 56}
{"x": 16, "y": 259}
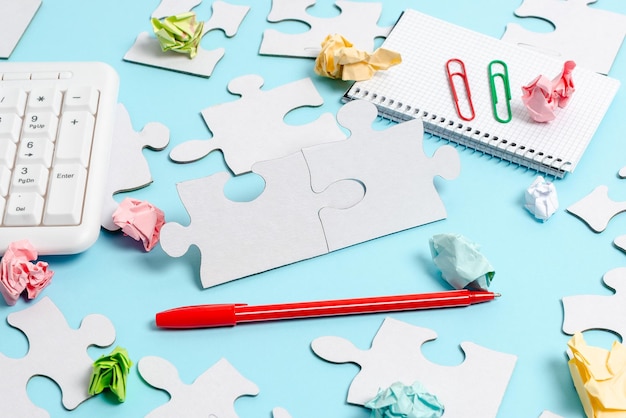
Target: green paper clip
{"x": 504, "y": 76}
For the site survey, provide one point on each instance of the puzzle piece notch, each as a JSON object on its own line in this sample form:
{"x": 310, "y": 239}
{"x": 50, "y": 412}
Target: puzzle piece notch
{"x": 358, "y": 22}
{"x": 597, "y": 209}
{"x": 394, "y": 356}
{"x": 55, "y": 351}
{"x": 586, "y": 312}
{"x": 591, "y": 37}
{"x": 213, "y": 393}
{"x": 129, "y": 169}
{"x": 385, "y": 161}
{"x": 264, "y": 135}
{"x": 279, "y": 227}
{"x": 173, "y": 7}
{"x": 147, "y": 50}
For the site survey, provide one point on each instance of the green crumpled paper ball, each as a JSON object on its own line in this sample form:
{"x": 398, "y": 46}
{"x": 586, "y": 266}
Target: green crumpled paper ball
{"x": 179, "y": 33}
{"x": 111, "y": 372}
{"x": 405, "y": 401}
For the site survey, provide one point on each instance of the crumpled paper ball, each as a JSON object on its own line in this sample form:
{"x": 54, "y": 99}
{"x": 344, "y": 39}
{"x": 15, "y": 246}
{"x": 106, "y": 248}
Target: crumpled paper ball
{"x": 406, "y": 401}
{"x": 542, "y": 95}
{"x": 460, "y": 261}
{"x": 599, "y": 376}
{"x": 111, "y": 372}
{"x": 140, "y": 220}
{"x": 541, "y": 199}
{"x": 340, "y": 60}
{"x": 179, "y": 33}
{"x": 17, "y": 273}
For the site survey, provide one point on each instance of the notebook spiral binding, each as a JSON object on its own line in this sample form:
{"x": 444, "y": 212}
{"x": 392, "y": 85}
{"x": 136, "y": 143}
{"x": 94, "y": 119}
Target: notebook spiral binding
{"x": 494, "y": 146}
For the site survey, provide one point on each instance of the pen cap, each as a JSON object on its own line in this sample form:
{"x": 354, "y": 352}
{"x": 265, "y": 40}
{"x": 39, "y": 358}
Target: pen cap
{"x": 203, "y": 316}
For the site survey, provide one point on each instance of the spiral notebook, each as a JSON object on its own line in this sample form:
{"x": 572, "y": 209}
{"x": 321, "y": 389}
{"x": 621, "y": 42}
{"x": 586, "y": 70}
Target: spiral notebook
{"x": 419, "y": 88}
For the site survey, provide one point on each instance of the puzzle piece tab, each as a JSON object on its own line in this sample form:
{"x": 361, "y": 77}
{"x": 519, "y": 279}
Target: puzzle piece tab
{"x": 589, "y": 36}
{"x": 358, "y": 22}
{"x": 55, "y": 351}
{"x": 586, "y": 312}
{"x": 212, "y": 394}
{"x": 397, "y": 174}
{"x": 596, "y": 209}
{"x": 264, "y": 135}
{"x": 473, "y": 389}
{"x": 147, "y": 50}
{"x": 279, "y": 227}
{"x": 129, "y": 169}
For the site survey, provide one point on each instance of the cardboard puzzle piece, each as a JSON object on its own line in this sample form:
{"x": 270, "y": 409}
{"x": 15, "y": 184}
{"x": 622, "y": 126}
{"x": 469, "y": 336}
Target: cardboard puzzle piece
{"x": 55, "y": 351}
{"x": 264, "y": 135}
{"x": 358, "y": 22}
{"x": 146, "y": 49}
{"x": 400, "y": 195}
{"x": 548, "y": 414}
{"x": 586, "y": 312}
{"x": 15, "y": 16}
{"x": 129, "y": 169}
{"x": 173, "y": 7}
{"x": 279, "y": 227}
{"x": 596, "y": 209}
{"x": 591, "y": 37}
{"x": 212, "y": 394}
{"x": 280, "y": 413}
{"x": 473, "y": 389}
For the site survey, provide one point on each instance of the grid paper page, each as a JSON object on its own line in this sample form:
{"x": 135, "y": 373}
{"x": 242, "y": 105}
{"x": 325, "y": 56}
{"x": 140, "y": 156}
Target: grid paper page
{"x": 419, "y": 87}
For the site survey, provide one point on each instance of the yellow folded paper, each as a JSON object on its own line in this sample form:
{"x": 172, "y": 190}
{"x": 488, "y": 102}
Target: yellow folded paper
{"x": 180, "y": 33}
{"x": 599, "y": 376}
{"x": 339, "y": 59}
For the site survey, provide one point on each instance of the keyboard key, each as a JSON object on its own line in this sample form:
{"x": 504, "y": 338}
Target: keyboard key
{"x": 23, "y": 209}
{"x": 75, "y": 135}
{"x": 65, "y": 198}
{"x": 44, "y": 99}
{"x": 7, "y": 153}
{"x": 41, "y": 124}
{"x": 35, "y": 151}
{"x": 81, "y": 98}
{"x": 30, "y": 178}
{"x": 12, "y": 100}
{"x": 5, "y": 180}
{"x": 10, "y": 126}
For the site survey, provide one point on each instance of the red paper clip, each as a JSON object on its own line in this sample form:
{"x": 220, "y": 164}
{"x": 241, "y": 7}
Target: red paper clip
{"x": 460, "y": 73}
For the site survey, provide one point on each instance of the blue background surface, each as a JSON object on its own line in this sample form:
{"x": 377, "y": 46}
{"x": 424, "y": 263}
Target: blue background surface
{"x": 536, "y": 264}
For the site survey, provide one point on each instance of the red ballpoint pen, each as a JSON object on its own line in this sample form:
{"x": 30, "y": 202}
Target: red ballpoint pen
{"x": 223, "y": 315}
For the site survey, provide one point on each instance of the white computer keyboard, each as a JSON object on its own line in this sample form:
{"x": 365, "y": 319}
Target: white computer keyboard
{"x": 56, "y": 127}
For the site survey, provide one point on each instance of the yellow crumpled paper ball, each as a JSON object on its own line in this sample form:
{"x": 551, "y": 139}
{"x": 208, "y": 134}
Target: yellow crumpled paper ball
{"x": 599, "y": 376}
{"x": 180, "y": 33}
{"x": 340, "y": 60}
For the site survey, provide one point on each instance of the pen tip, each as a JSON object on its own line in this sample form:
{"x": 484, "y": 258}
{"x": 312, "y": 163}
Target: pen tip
{"x": 497, "y": 295}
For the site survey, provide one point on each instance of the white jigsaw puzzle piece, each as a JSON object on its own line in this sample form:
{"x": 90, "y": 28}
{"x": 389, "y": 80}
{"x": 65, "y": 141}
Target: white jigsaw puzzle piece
{"x": 265, "y": 135}
{"x": 280, "y": 413}
{"x": 548, "y": 414}
{"x": 129, "y": 169}
{"x": 597, "y": 209}
{"x": 473, "y": 389}
{"x": 279, "y": 227}
{"x": 586, "y": 312}
{"x": 591, "y": 37}
{"x": 212, "y": 394}
{"x": 173, "y": 7}
{"x": 147, "y": 50}
{"x": 399, "y": 196}
{"x": 15, "y": 16}
{"x": 55, "y": 351}
{"x": 358, "y": 22}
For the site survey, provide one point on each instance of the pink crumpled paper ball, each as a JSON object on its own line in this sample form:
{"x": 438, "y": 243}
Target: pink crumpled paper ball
{"x": 18, "y": 273}
{"x": 140, "y": 220}
{"x": 542, "y": 95}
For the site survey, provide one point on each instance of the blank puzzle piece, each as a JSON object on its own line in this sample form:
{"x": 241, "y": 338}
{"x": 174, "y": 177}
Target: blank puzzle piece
{"x": 173, "y": 7}
{"x": 586, "y": 312}
{"x": 212, "y": 394}
{"x": 386, "y": 162}
{"x": 596, "y": 209}
{"x": 279, "y": 227}
{"x": 129, "y": 169}
{"x": 264, "y": 135}
{"x": 358, "y": 22}
{"x": 15, "y": 16}
{"x": 147, "y": 50}
{"x": 56, "y": 351}
{"x": 591, "y": 37}
{"x": 473, "y": 389}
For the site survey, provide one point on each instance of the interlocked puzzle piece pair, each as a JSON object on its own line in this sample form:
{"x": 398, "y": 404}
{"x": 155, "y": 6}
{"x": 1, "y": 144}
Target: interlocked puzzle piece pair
{"x": 147, "y": 50}
{"x": 589, "y": 36}
{"x": 357, "y": 22}
{"x": 473, "y": 389}
{"x": 320, "y": 199}
{"x": 55, "y": 351}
